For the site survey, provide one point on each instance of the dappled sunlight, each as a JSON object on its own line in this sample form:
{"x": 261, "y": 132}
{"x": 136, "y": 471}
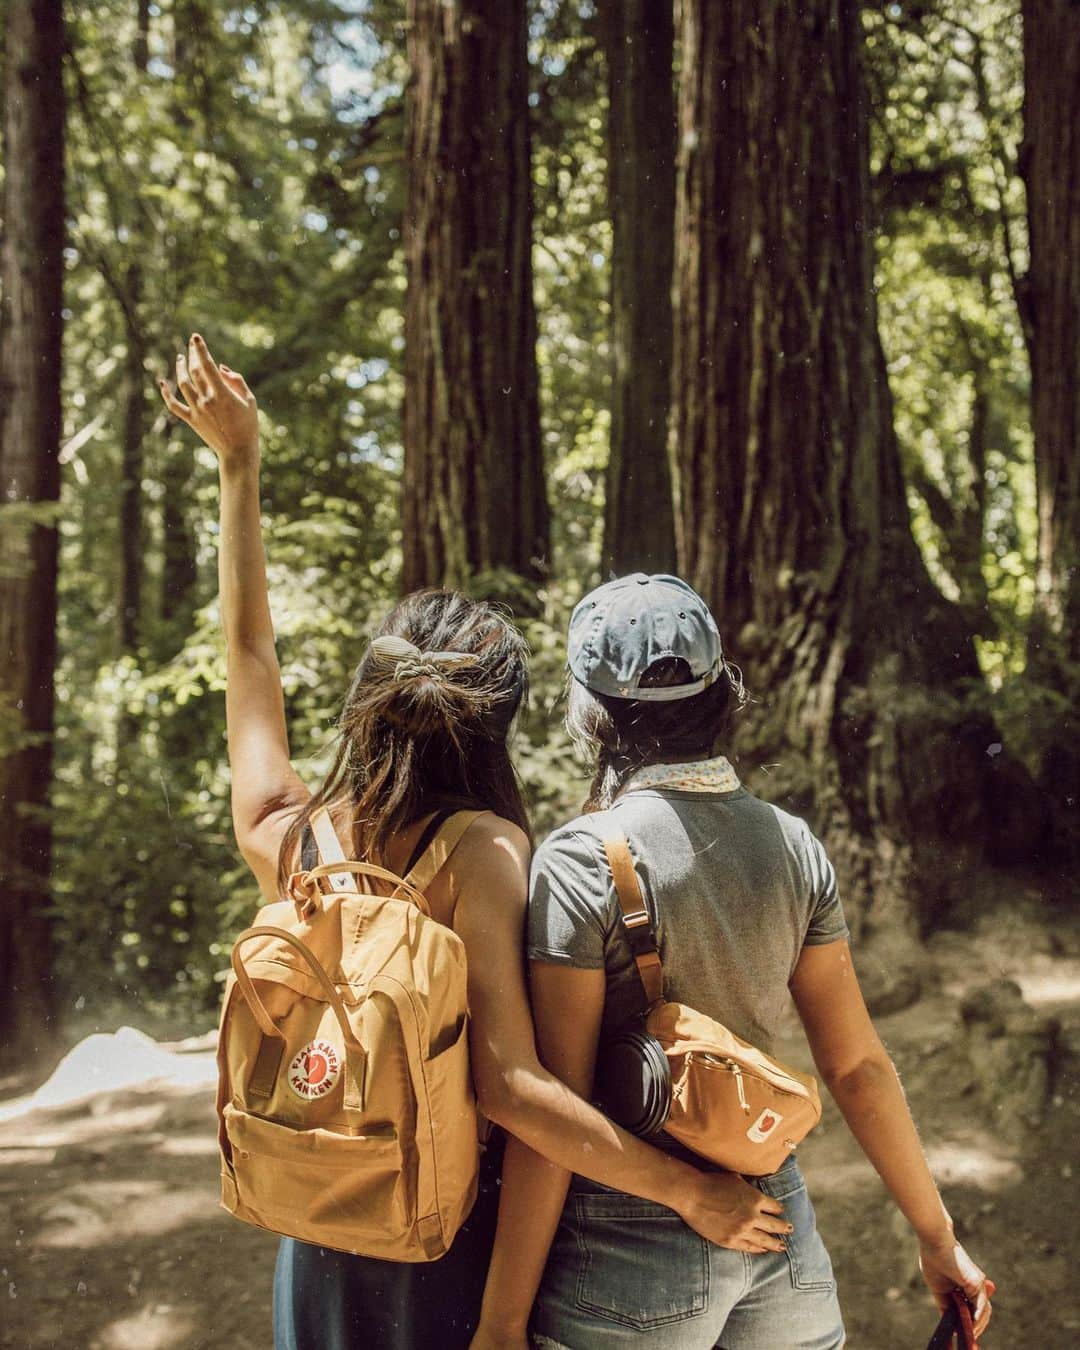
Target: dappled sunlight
{"x": 158, "y": 1328}
{"x": 86, "y": 1215}
{"x": 984, "y": 1164}
{"x": 102, "y": 1063}
{"x": 1057, "y": 987}
{"x": 86, "y": 1126}
{"x": 188, "y": 1147}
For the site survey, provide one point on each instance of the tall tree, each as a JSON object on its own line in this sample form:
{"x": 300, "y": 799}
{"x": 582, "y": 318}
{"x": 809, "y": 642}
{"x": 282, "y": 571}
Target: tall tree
{"x": 1051, "y": 160}
{"x": 792, "y": 514}
{"x": 135, "y": 390}
{"x": 639, "y": 524}
{"x": 31, "y": 327}
{"x": 473, "y": 491}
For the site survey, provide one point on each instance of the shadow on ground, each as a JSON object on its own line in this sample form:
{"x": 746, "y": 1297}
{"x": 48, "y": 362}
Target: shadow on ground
{"x": 111, "y": 1239}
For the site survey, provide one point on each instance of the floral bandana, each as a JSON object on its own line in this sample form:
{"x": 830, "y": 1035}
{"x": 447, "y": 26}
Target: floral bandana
{"x": 704, "y": 775}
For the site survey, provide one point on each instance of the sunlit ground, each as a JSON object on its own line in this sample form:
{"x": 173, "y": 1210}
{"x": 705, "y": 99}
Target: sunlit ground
{"x": 112, "y": 1237}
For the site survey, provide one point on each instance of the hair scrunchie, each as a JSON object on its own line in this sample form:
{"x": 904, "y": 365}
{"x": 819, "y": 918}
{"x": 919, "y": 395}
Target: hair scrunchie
{"x": 408, "y": 662}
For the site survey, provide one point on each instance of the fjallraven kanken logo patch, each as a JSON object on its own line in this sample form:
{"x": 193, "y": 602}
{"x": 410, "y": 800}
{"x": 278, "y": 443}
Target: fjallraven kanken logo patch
{"x": 764, "y": 1126}
{"x": 314, "y": 1070}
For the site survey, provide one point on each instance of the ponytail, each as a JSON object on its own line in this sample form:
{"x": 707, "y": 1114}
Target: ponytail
{"x": 425, "y": 723}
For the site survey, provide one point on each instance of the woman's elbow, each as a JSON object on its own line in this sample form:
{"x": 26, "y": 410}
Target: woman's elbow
{"x": 500, "y": 1096}
{"x": 867, "y": 1075}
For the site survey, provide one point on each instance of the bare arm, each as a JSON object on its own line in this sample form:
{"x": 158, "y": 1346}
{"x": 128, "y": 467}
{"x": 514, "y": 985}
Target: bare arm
{"x": 857, "y": 1070}
{"x": 542, "y": 1105}
{"x": 266, "y": 790}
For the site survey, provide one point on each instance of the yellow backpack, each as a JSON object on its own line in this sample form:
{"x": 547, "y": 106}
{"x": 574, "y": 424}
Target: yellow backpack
{"x": 345, "y": 1104}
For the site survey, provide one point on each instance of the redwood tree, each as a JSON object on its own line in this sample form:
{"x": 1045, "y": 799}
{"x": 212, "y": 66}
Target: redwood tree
{"x": 473, "y": 492}
{"x": 31, "y": 276}
{"x": 1051, "y": 161}
{"x": 639, "y": 526}
{"x": 791, "y": 508}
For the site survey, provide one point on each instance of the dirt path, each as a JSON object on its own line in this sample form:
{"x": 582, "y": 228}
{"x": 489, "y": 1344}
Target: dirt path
{"x": 111, "y": 1239}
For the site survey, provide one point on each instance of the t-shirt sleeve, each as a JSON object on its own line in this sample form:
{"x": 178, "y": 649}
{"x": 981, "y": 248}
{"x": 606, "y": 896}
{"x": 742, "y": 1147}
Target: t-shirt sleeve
{"x": 567, "y": 902}
{"x": 827, "y": 923}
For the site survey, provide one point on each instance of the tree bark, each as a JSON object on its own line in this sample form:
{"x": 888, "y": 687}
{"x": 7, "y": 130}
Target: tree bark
{"x": 134, "y": 429}
{"x": 792, "y": 517}
{"x": 132, "y": 455}
{"x": 30, "y": 427}
{"x": 1051, "y": 161}
{"x": 639, "y": 523}
{"x": 473, "y": 489}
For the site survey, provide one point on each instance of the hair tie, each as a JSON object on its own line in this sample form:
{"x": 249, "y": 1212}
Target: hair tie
{"x": 409, "y": 662}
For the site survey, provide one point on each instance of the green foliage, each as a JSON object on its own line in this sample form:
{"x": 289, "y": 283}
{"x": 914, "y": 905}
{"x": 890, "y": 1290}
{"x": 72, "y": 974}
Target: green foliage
{"x": 248, "y": 184}
{"x": 946, "y": 82}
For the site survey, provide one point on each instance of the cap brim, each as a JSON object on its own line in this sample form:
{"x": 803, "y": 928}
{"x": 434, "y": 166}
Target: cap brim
{"x": 670, "y": 693}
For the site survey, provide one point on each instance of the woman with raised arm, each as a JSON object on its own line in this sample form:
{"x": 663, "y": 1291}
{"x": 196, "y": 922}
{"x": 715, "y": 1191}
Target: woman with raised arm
{"x": 744, "y": 905}
{"x": 416, "y": 739}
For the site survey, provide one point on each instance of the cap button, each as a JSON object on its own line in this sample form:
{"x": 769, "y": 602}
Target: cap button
{"x": 643, "y": 581}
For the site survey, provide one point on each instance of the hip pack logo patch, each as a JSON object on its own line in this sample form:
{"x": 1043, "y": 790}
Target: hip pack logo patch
{"x": 314, "y": 1070}
{"x": 763, "y": 1127}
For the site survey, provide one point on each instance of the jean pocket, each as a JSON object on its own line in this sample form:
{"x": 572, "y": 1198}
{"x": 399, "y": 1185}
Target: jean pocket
{"x": 811, "y": 1267}
{"x": 639, "y": 1264}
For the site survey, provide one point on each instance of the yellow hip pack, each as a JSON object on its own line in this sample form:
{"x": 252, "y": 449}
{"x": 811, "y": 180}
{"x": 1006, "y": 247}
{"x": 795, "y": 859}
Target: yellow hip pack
{"x": 682, "y": 1072}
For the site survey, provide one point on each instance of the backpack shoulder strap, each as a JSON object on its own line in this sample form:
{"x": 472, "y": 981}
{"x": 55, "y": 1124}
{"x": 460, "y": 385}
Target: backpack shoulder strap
{"x": 448, "y": 833}
{"x": 330, "y": 850}
{"x": 427, "y": 834}
{"x": 635, "y": 917}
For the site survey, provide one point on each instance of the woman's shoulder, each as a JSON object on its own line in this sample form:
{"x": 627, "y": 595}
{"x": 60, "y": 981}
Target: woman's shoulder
{"x": 578, "y": 843}
{"x": 491, "y": 831}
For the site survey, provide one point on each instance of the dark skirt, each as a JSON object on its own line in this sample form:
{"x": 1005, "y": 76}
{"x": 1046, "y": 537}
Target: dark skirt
{"x": 329, "y": 1300}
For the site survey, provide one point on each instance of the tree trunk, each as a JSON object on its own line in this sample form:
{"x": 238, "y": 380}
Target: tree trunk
{"x": 30, "y": 426}
{"x": 131, "y": 474}
{"x": 792, "y": 517}
{"x": 179, "y": 566}
{"x": 1051, "y": 160}
{"x": 639, "y": 524}
{"x": 473, "y": 490}
{"x": 134, "y": 399}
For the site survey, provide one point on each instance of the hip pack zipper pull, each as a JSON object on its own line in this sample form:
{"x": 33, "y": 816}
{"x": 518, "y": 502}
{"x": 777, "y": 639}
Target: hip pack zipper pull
{"x": 737, "y": 1071}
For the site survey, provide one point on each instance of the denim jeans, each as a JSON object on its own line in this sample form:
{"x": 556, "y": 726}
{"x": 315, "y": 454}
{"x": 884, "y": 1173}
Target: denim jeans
{"x": 624, "y": 1272}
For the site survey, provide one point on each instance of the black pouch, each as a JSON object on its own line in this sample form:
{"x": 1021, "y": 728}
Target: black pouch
{"x": 633, "y": 1082}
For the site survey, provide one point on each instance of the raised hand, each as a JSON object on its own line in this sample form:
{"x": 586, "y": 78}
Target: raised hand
{"x": 217, "y": 404}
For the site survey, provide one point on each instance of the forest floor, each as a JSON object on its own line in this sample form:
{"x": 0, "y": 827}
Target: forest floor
{"x": 111, "y": 1238}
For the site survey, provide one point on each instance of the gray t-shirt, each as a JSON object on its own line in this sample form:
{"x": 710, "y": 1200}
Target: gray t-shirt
{"x": 735, "y": 887}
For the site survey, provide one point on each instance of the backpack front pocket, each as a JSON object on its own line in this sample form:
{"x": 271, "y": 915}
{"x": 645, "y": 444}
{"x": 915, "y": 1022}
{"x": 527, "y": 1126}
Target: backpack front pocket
{"x": 293, "y": 1180}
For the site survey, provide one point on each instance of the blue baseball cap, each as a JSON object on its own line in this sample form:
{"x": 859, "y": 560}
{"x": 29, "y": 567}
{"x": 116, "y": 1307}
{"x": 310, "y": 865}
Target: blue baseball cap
{"x": 623, "y": 627}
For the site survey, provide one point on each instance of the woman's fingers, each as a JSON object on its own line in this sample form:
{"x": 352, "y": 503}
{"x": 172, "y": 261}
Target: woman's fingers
{"x": 771, "y": 1224}
{"x": 235, "y": 380}
{"x": 768, "y": 1205}
{"x": 184, "y": 382}
{"x": 203, "y": 367}
{"x": 173, "y": 403}
{"x": 983, "y": 1310}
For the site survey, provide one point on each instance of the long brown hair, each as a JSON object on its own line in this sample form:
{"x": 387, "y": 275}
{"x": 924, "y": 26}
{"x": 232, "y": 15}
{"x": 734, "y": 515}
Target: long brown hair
{"x": 424, "y": 736}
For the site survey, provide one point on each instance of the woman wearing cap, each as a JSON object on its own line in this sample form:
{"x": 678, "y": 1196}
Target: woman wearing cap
{"x": 744, "y": 903}
{"x": 424, "y": 728}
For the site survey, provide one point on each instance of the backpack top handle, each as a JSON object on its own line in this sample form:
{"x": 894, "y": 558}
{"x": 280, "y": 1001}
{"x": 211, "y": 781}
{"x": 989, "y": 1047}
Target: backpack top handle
{"x": 340, "y": 870}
